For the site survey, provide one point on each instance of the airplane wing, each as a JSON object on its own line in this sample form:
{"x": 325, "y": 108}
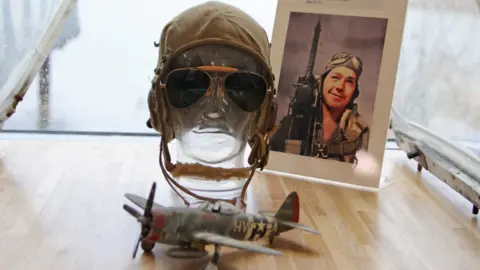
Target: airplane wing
{"x": 230, "y": 242}
{"x": 267, "y": 214}
{"x": 140, "y": 201}
{"x": 298, "y": 226}
{"x": 291, "y": 224}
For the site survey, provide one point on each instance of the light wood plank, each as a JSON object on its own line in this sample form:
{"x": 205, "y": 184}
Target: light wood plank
{"x": 61, "y": 208}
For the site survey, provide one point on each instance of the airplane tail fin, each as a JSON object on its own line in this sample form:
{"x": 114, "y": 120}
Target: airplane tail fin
{"x": 290, "y": 209}
{"x": 289, "y": 212}
{"x": 288, "y": 215}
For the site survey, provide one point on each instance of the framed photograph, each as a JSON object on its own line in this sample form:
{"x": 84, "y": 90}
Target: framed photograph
{"x": 335, "y": 71}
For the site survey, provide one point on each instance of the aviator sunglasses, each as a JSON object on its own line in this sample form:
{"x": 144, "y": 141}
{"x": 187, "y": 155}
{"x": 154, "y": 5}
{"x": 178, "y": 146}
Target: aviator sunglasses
{"x": 186, "y": 86}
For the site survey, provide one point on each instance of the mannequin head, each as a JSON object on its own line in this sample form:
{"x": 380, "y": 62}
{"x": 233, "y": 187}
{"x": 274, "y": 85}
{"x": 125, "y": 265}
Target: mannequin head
{"x": 213, "y": 91}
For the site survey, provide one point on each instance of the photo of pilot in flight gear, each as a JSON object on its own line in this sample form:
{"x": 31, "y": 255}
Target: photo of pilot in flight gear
{"x": 343, "y": 129}
{"x": 326, "y": 99}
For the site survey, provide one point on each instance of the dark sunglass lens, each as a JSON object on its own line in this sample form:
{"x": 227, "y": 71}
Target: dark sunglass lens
{"x": 246, "y": 90}
{"x": 185, "y": 87}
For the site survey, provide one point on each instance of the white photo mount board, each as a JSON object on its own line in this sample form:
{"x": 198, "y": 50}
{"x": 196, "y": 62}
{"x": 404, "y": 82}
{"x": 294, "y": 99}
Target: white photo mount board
{"x": 333, "y": 171}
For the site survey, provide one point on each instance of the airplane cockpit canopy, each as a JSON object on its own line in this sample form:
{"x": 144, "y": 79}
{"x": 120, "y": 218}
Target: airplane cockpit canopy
{"x": 223, "y": 208}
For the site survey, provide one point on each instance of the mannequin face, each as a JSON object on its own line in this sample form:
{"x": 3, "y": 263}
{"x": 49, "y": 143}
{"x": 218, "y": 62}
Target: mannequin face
{"x": 214, "y": 93}
{"x": 338, "y": 87}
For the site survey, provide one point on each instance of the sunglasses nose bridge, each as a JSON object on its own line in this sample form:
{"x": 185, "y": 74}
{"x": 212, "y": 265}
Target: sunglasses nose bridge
{"x": 215, "y": 96}
{"x": 215, "y": 89}
{"x": 217, "y": 83}
{"x": 220, "y": 93}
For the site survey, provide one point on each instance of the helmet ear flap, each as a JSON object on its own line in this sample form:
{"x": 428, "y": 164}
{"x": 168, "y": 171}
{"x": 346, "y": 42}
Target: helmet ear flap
{"x": 272, "y": 114}
{"x": 159, "y": 114}
{"x": 351, "y": 104}
{"x": 152, "y": 121}
{"x": 259, "y": 141}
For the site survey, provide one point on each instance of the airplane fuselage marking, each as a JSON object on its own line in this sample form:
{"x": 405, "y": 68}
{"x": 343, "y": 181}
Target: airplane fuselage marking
{"x": 241, "y": 225}
{"x": 253, "y": 228}
{"x": 262, "y": 228}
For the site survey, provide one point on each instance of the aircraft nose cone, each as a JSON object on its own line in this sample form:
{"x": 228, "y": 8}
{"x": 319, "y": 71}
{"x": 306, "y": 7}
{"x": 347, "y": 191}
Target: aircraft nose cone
{"x": 159, "y": 219}
{"x": 143, "y": 220}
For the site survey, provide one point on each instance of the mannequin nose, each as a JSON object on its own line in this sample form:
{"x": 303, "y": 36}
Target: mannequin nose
{"x": 212, "y": 114}
{"x": 215, "y": 108}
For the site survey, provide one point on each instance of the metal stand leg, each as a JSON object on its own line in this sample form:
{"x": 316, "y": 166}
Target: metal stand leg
{"x": 419, "y": 167}
{"x": 44, "y": 95}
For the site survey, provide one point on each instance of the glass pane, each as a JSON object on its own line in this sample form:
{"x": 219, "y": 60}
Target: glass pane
{"x": 25, "y": 28}
{"x": 98, "y": 75}
{"x": 437, "y": 97}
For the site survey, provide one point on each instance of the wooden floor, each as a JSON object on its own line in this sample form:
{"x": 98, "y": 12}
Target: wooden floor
{"x": 61, "y": 208}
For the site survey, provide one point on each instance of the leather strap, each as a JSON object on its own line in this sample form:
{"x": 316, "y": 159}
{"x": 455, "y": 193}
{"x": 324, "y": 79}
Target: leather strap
{"x": 175, "y": 185}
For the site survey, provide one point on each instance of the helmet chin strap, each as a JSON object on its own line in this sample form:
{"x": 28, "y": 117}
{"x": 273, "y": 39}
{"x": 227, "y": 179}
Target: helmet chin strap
{"x": 257, "y": 158}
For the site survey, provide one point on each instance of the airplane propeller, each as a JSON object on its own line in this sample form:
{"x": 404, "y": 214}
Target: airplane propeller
{"x": 145, "y": 220}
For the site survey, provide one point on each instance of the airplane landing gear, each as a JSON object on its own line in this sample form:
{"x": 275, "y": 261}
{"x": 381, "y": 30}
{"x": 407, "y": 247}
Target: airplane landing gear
{"x": 216, "y": 254}
{"x": 419, "y": 167}
{"x": 213, "y": 264}
{"x": 271, "y": 237}
{"x": 147, "y": 246}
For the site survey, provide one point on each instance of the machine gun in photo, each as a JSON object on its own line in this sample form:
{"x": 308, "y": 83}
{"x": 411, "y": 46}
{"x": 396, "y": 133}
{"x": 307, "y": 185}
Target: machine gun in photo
{"x": 298, "y": 128}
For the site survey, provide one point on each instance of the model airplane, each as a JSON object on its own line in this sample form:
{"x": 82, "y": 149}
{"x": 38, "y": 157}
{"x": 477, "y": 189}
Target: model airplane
{"x": 192, "y": 229}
